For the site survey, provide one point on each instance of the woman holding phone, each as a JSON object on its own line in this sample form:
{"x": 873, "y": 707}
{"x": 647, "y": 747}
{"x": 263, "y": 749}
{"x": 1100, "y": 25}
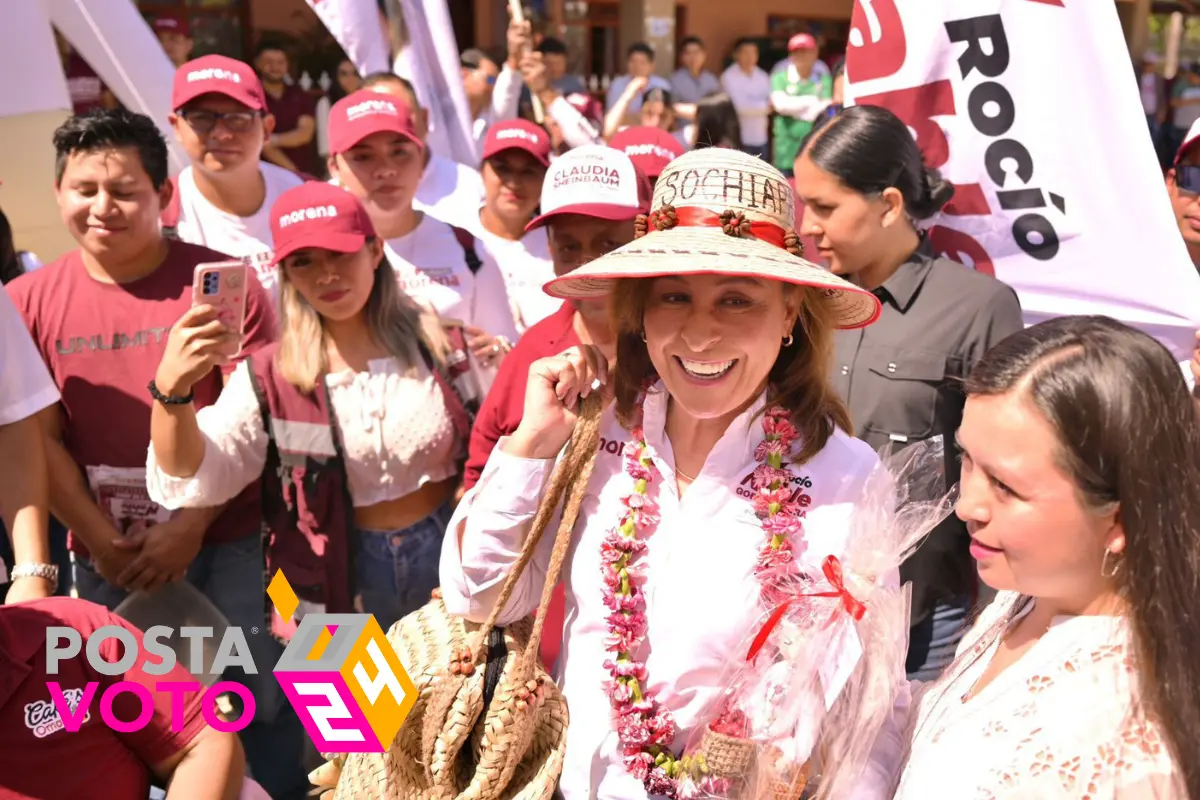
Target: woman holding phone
{"x": 360, "y": 413}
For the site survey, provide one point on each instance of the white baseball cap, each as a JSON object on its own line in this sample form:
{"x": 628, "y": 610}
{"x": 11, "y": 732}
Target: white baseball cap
{"x": 1193, "y": 135}
{"x": 596, "y": 181}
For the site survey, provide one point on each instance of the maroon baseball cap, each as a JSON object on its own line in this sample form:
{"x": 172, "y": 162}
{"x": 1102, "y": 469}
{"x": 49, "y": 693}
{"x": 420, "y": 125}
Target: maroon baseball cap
{"x": 518, "y": 134}
{"x": 356, "y": 116}
{"x": 218, "y": 75}
{"x": 168, "y": 22}
{"x": 802, "y": 41}
{"x": 650, "y": 149}
{"x": 317, "y": 214}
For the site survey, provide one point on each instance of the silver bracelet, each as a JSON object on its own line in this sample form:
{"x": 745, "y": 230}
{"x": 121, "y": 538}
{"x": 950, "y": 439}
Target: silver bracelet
{"x": 47, "y": 571}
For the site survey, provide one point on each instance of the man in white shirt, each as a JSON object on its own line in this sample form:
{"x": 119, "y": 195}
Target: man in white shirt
{"x": 749, "y": 88}
{"x": 448, "y": 191}
{"x": 25, "y": 389}
{"x": 493, "y": 92}
{"x": 225, "y": 194}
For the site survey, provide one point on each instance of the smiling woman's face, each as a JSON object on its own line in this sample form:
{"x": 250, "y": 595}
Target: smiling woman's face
{"x": 1030, "y": 531}
{"x": 713, "y": 339}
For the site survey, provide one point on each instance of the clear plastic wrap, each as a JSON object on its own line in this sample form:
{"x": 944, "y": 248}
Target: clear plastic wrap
{"x": 821, "y": 670}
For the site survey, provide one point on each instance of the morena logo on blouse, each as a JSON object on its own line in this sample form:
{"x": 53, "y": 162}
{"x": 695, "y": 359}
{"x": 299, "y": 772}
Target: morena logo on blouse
{"x": 340, "y": 673}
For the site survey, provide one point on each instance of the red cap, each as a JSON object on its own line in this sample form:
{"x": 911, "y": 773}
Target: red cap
{"x": 518, "y": 134}
{"x": 650, "y": 149}
{"x": 802, "y": 41}
{"x": 356, "y": 116}
{"x": 317, "y": 214}
{"x": 168, "y": 22}
{"x": 218, "y": 75}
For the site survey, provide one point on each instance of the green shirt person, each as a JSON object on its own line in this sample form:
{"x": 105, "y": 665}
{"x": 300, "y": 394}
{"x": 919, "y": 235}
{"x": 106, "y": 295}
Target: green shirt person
{"x": 798, "y": 97}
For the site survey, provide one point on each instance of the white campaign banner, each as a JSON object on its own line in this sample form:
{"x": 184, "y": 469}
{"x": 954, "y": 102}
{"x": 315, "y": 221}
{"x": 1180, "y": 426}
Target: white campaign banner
{"x": 358, "y": 27}
{"x": 431, "y": 63}
{"x": 1031, "y": 108}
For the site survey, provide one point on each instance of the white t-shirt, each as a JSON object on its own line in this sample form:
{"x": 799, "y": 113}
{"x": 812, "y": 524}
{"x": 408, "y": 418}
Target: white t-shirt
{"x": 432, "y": 268}
{"x": 200, "y": 222}
{"x": 451, "y": 192}
{"x": 526, "y": 267}
{"x": 751, "y": 97}
{"x": 25, "y": 383}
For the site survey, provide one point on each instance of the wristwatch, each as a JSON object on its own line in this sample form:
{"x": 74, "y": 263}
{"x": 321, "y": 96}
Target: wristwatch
{"x": 47, "y": 571}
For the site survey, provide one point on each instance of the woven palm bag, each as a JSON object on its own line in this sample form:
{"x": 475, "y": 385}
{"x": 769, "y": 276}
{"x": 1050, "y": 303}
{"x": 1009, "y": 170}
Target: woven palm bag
{"x": 488, "y": 723}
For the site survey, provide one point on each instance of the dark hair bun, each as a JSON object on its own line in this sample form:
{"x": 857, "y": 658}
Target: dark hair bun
{"x": 936, "y": 193}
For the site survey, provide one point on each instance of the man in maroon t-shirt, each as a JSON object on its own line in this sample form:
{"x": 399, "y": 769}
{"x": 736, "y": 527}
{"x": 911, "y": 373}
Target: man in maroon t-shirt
{"x": 100, "y": 317}
{"x": 292, "y": 144}
{"x": 45, "y": 760}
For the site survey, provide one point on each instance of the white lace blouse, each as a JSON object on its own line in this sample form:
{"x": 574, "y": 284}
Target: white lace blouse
{"x": 1059, "y": 723}
{"x": 395, "y": 429}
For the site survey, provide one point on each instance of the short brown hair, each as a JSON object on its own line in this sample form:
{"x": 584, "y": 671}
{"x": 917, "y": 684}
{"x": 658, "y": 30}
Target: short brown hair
{"x": 799, "y": 380}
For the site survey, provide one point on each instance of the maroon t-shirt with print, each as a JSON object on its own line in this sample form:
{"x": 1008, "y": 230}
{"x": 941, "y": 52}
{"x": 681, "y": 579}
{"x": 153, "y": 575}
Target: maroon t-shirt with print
{"x": 287, "y": 109}
{"x": 103, "y": 343}
{"x": 45, "y": 760}
{"x": 83, "y": 84}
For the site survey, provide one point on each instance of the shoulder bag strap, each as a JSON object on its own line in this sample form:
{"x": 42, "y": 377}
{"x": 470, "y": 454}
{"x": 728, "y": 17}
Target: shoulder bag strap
{"x": 578, "y": 461}
{"x": 466, "y": 240}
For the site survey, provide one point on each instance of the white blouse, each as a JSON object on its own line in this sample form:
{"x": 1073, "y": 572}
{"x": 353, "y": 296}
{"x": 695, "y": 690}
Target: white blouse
{"x": 701, "y": 593}
{"x": 396, "y": 433}
{"x": 1058, "y": 724}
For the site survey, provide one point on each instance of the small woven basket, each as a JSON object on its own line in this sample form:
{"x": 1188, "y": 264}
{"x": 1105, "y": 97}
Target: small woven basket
{"x": 727, "y": 756}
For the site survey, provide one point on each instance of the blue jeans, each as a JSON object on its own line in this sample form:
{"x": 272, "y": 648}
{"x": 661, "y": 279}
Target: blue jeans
{"x": 397, "y": 571}
{"x": 230, "y": 574}
{"x": 933, "y": 641}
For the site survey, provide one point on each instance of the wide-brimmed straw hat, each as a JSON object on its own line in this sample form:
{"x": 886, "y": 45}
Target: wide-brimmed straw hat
{"x": 720, "y": 212}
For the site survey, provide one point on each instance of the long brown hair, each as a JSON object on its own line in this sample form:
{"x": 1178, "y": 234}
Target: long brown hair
{"x": 396, "y": 322}
{"x": 1129, "y": 439}
{"x": 799, "y": 380}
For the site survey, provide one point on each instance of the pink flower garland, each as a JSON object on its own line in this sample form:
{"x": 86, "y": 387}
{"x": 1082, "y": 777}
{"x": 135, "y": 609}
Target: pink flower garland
{"x": 645, "y": 727}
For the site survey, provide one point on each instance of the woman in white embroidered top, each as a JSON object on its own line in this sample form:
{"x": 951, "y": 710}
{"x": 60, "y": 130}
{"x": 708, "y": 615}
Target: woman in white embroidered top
{"x": 1080, "y": 487}
{"x": 363, "y": 402}
{"x": 731, "y": 329}
{"x": 378, "y": 156}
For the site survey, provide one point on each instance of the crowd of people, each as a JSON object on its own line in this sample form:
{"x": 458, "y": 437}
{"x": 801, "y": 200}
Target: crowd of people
{"x": 383, "y": 421}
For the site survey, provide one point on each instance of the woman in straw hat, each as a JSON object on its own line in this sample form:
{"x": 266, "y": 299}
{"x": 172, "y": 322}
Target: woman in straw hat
{"x": 726, "y": 463}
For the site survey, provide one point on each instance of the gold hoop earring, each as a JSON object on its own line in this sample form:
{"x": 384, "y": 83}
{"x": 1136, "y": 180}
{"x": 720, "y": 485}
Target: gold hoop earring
{"x": 787, "y": 342}
{"x": 1105, "y": 572}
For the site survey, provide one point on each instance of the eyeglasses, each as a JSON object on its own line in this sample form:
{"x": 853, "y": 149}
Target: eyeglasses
{"x": 204, "y": 122}
{"x": 1187, "y": 178}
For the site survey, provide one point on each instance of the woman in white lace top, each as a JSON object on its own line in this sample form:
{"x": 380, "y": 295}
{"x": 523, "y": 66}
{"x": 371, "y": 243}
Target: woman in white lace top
{"x": 355, "y": 421}
{"x": 1081, "y": 492}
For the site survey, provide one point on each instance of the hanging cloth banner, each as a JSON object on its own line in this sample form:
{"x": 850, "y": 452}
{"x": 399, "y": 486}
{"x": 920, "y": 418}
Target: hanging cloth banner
{"x": 1030, "y": 107}
{"x": 430, "y": 61}
{"x": 357, "y": 26}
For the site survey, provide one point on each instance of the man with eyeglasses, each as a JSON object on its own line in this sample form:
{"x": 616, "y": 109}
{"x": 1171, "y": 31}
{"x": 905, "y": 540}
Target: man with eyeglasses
{"x": 226, "y": 193}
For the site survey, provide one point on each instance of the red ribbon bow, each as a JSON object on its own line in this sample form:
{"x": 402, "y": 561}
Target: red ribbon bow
{"x": 833, "y": 573}
{"x": 696, "y": 217}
